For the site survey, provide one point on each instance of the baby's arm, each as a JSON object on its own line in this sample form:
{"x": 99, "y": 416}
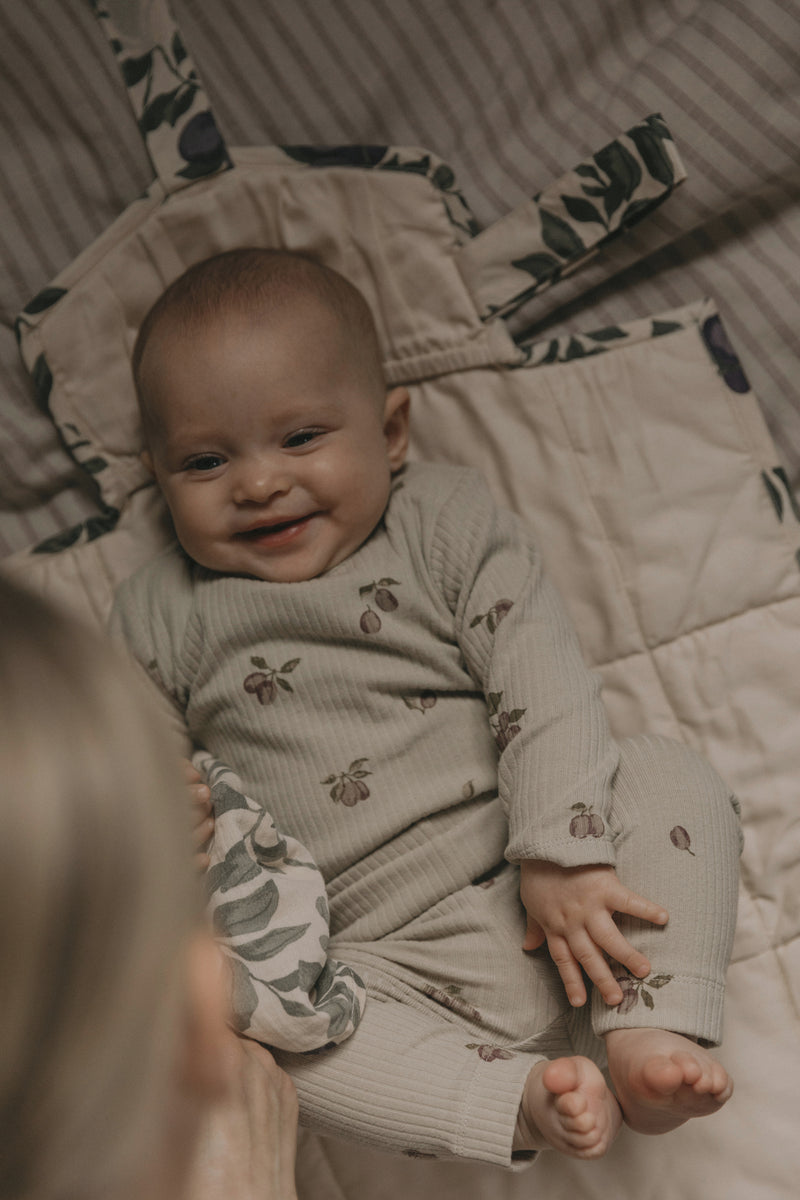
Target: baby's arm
{"x": 572, "y": 909}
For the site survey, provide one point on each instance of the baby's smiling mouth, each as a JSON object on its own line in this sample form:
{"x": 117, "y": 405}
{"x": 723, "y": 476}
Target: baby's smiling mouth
{"x": 276, "y": 531}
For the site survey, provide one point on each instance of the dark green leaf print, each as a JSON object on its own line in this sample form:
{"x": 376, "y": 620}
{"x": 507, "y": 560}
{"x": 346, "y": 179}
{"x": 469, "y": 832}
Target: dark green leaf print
{"x": 649, "y": 142}
{"x": 226, "y": 799}
{"x": 94, "y": 465}
{"x": 623, "y": 172}
{"x": 91, "y": 529}
{"x": 338, "y": 156}
{"x": 581, "y": 209}
{"x": 294, "y": 1008}
{"x": 560, "y": 237}
{"x": 134, "y": 70}
{"x": 271, "y": 943}
{"x": 42, "y": 378}
{"x": 96, "y": 526}
{"x": 178, "y": 48}
{"x": 611, "y": 333}
{"x": 336, "y": 997}
{"x": 249, "y": 914}
{"x": 542, "y": 267}
{"x": 59, "y": 541}
{"x": 236, "y": 867}
{"x": 44, "y": 300}
{"x": 417, "y": 166}
{"x": 660, "y": 328}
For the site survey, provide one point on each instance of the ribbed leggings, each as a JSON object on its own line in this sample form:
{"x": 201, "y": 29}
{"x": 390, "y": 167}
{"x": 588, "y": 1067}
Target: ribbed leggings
{"x": 458, "y": 1014}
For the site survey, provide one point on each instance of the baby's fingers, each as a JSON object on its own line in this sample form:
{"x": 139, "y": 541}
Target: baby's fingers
{"x": 609, "y": 938}
{"x": 626, "y": 901}
{"x": 569, "y": 970}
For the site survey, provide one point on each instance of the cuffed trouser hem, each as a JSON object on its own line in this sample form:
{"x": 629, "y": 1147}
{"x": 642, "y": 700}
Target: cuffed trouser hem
{"x": 692, "y": 1007}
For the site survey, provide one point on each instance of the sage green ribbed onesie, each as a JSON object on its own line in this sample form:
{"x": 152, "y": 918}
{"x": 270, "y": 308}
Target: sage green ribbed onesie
{"x": 420, "y": 718}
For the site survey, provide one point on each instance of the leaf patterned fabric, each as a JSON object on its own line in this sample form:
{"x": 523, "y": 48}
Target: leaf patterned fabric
{"x": 270, "y": 915}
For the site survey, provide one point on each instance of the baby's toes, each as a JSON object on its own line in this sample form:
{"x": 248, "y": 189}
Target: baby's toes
{"x": 721, "y": 1083}
{"x": 696, "y": 1074}
{"x": 571, "y": 1104}
{"x": 584, "y": 1123}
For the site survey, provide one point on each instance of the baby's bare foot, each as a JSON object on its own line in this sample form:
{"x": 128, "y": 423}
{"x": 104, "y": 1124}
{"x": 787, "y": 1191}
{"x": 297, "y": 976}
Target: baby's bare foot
{"x": 567, "y": 1106}
{"x": 662, "y": 1079}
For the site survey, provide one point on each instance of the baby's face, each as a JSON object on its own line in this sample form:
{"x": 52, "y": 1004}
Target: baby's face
{"x": 274, "y": 451}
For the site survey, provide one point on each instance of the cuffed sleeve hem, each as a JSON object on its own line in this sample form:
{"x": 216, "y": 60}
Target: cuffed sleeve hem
{"x": 567, "y": 852}
{"x": 409, "y": 1083}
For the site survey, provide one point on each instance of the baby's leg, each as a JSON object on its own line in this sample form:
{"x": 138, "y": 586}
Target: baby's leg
{"x": 679, "y": 845}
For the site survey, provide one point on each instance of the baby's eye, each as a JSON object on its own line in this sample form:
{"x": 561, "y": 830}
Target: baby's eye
{"x": 203, "y": 462}
{"x": 301, "y": 438}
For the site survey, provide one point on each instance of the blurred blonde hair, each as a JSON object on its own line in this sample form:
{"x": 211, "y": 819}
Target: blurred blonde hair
{"x": 97, "y": 905}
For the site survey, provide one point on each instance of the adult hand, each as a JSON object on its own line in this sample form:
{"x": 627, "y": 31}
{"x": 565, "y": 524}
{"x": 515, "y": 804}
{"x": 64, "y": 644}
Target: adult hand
{"x": 202, "y": 812}
{"x": 572, "y": 909}
{"x": 248, "y": 1142}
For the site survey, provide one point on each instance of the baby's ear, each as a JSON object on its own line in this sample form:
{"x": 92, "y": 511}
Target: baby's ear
{"x": 396, "y": 417}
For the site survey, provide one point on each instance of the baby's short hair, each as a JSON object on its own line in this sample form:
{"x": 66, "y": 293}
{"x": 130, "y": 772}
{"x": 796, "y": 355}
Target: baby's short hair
{"x": 256, "y": 279}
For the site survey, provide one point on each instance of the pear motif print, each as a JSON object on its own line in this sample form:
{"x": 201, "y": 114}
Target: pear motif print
{"x": 494, "y": 616}
{"x": 384, "y": 598}
{"x": 586, "y": 823}
{"x": 634, "y": 990}
{"x": 490, "y": 1053}
{"x": 504, "y": 723}
{"x": 266, "y": 680}
{"x": 422, "y": 702}
{"x": 681, "y": 840}
{"x": 348, "y": 786}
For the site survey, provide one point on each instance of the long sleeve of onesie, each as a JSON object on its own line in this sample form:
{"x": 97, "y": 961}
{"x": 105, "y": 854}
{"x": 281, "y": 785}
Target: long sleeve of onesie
{"x": 267, "y": 898}
{"x": 557, "y": 758}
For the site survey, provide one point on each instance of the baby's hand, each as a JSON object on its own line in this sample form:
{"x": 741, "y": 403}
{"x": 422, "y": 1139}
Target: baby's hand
{"x": 202, "y": 813}
{"x": 572, "y": 909}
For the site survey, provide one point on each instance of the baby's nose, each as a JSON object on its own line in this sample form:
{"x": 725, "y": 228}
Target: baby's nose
{"x": 259, "y": 479}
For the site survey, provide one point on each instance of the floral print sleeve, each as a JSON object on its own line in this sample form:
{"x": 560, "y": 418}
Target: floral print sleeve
{"x": 270, "y": 915}
{"x": 556, "y": 757}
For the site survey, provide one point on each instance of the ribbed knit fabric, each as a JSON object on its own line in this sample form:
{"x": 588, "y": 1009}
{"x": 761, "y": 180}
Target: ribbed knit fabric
{"x": 679, "y": 844}
{"x": 354, "y": 705}
{"x": 411, "y": 717}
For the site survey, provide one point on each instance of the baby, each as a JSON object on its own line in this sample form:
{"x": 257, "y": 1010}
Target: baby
{"x": 375, "y": 648}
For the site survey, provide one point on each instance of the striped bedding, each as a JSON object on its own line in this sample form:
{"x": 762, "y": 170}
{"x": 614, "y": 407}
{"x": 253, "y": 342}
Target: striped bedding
{"x": 513, "y": 93}
{"x": 510, "y": 92}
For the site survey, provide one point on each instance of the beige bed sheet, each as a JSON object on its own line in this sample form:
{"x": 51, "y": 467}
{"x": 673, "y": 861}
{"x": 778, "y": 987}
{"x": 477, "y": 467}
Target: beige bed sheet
{"x": 691, "y": 611}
